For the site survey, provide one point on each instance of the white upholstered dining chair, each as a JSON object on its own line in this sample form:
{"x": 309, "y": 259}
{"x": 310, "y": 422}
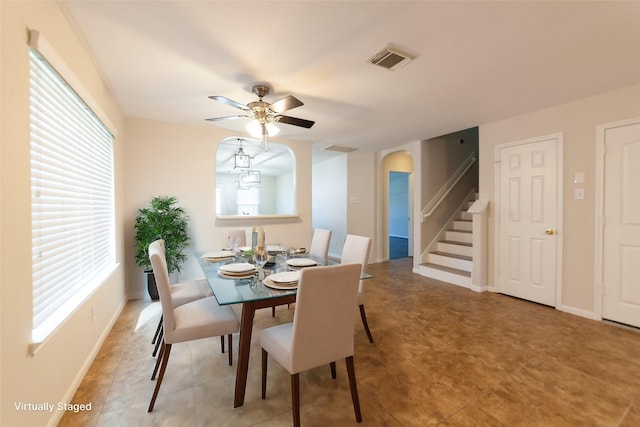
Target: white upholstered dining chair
{"x": 319, "y": 248}
{"x": 321, "y": 331}
{"x": 356, "y": 250}
{"x": 182, "y": 293}
{"x": 240, "y": 235}
{"x": 194, "y": 320}
{"x": 320, "y": 243}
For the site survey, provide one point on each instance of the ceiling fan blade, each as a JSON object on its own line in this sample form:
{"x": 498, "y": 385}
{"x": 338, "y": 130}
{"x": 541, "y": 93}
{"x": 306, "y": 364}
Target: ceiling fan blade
{"x": 216, "y": 119}
{"x": 294, "y": 121}
{"x": 228, "y": 101}
{"x": 286, "y": 103}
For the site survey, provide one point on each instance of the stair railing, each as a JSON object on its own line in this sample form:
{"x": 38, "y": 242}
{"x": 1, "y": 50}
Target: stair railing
{"x": 448, "y": 186}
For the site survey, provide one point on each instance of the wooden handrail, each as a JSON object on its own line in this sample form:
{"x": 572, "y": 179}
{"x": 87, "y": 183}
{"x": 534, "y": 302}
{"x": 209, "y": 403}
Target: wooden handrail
{"x": 448, "y": 186}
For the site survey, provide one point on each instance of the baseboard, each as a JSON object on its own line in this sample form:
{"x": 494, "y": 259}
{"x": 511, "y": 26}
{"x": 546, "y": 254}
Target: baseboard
{"x": 71, "y": 391}
{"x": 578, "y": 312}
{"x": 139, "y": 295}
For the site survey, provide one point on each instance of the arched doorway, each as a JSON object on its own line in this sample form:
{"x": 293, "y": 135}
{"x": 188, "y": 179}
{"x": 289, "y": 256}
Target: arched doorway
{"x": 398, "y": 204}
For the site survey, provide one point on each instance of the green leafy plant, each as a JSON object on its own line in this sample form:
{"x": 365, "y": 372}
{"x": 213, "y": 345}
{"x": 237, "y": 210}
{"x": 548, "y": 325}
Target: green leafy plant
{"x": 162, "y": 219}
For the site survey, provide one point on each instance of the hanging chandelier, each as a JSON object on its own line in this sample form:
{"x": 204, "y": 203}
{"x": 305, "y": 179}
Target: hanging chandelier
{"x": 241, "y": 160}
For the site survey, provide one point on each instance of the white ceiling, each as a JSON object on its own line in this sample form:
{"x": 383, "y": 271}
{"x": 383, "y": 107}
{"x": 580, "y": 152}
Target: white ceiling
{"x": 477, "y": 62}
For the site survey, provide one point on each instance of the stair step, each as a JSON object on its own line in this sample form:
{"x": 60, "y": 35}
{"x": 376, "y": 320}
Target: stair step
{"x": 445, "y": 274}
{"x": 455, "y": 247}
{"x": 452, "y": 255}
{"x": 448, "y": 269}
{"x": 462, "y": 225}
{"x": 466, "y": 216}
{"x": 459, "y": 236}
{"x": 445, "y": 259}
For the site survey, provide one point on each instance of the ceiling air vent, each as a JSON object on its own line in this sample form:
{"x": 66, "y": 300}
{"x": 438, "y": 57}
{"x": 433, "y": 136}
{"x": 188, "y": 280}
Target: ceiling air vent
{"x": 391, "y": 58}
{"x": 339, "y": 148}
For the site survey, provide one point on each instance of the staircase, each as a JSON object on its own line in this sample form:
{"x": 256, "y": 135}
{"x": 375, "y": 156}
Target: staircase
{"x": 452, "y": 259}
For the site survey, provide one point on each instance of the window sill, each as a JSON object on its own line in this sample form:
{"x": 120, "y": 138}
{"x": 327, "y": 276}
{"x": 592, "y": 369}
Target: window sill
{"x": 36, "y": 344}
{"x": 246, "y": 217}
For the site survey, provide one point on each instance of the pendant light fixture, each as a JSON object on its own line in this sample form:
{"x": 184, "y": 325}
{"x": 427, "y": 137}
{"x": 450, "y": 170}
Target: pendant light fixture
{"x": 241, "y": 159}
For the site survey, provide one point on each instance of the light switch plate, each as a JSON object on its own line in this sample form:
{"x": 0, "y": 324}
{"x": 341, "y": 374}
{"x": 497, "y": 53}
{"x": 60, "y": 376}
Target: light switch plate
{"x": 578, "y": 194}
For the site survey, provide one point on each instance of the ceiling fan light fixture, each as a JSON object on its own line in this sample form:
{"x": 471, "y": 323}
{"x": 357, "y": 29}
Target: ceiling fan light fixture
{"x": 255, "y": 129}
{"x": 272, "y": 130}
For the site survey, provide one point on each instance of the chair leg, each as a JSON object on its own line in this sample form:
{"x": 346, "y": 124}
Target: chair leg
{"x": 165, "y": 359}
{"x": 273, "y": 310}
{"x": 222, "y": 343}
{"x": 158, "y": 361}
{"x": 365, "y": 324}
{"x": 230, "y": 339}
{"x": 155, "y": 336}
{"x": 264, "y": 373}
{"x": 158, "y": 340}
{"x": 295, "y": 399}
{"x": 333, "y": 370}
{"x": 354, "y": 388}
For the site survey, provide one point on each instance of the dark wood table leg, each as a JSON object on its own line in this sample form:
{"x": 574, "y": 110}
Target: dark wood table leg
{"x": 244, "y": 347}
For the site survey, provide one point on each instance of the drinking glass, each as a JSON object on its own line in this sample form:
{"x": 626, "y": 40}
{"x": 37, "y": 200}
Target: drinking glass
{"x": 260, "y": 257}
{"x": 233, "y": 245}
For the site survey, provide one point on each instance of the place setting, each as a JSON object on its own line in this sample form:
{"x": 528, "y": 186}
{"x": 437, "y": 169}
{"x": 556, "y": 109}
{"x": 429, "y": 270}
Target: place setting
{"x": 285, "y": 280}
{"x": 237, "y": 270}
{"x": 216, "y": 256}
{"x": 298, "y": 263}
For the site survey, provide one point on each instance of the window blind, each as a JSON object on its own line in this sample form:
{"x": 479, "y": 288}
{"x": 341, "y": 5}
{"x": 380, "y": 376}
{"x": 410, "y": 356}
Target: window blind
{"x": 72, "y": 198}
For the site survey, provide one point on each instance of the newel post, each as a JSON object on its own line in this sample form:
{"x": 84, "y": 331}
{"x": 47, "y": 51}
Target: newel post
{"x": 479, "y": 224}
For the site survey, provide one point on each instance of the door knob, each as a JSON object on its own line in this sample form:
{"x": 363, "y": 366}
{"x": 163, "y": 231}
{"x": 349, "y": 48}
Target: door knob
{"x": 549, "y": 231}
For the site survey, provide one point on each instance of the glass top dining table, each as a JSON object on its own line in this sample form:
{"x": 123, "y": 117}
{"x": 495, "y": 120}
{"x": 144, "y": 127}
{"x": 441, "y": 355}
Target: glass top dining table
{"x": 240, "y": 290}
{"x": 252, "y": 294}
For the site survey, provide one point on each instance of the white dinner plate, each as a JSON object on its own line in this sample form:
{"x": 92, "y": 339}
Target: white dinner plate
{"x": 215, "y": 255}
{"x": 237, "y": 267}
{"x": 271, "y": 284}
{"x": 285, "y": 277}
{"x": 301, "y": 262}
{"x": 244, "y": 275}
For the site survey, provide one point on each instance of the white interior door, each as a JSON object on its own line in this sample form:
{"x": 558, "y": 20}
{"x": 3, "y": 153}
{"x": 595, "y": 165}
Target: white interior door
{"x": 621, "y": 225}
{"x": 529, "y": 215}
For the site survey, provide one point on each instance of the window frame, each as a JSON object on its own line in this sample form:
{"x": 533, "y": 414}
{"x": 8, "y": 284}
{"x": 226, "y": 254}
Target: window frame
{"x": 104, "y": 261}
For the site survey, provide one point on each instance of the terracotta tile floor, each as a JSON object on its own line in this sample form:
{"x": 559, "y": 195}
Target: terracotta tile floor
{"x": 443, "y": 356}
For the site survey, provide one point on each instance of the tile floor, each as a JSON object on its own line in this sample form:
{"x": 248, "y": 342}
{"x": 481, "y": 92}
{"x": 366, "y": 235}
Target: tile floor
{"x": 443, "y": 356}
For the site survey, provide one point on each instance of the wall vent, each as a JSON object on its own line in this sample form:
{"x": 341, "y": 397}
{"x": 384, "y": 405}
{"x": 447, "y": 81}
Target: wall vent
{"x": 392, "y": 58}
{"x": 339, "y": 148}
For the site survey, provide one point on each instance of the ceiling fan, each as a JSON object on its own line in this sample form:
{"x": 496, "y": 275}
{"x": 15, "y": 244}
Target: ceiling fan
{"x": 264, "y": 115}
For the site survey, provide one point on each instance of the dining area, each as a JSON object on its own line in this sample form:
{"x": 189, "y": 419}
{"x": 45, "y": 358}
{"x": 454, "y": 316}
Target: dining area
{"x": 324, "y": 294}
{"x": 442, "y": 356}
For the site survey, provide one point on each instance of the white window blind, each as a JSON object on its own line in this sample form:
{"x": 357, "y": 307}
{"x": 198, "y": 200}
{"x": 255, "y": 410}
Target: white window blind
{"x": 72, "y": 208}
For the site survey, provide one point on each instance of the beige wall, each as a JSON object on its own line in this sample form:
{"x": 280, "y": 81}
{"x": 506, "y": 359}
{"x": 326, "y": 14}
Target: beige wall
{"x": 577, "y": 121}
{"x": 168, "y": 159}
{"x": 362, "y": 196}
{"x": 54, "y": 372}
{"x": 330, "y": 200}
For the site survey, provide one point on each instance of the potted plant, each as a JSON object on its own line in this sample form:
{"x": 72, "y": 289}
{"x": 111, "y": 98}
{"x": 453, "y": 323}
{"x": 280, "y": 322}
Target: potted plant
{"x": 161, "y": 219}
